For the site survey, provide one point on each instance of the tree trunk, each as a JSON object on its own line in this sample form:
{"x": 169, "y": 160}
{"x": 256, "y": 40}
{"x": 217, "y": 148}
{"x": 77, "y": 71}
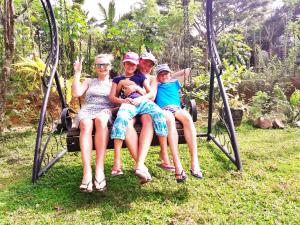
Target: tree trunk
{"x": 9, "y": 49}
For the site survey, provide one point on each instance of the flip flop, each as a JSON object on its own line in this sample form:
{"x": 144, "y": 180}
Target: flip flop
{"x": 166, "y": 167}
{"x": 181, "y": 177}
{"x": 101, "y": 189}
{"x": 143, "y": 175}
{"x": 197, "y": 174}
{"x": 117, "y": 172}
{"x": 88, "y": 187}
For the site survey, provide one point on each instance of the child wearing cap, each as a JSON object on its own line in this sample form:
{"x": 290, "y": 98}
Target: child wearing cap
{"x": 131, "y": 106}
{"x": 146, "y": 64}
{"x": 168, "y": 98}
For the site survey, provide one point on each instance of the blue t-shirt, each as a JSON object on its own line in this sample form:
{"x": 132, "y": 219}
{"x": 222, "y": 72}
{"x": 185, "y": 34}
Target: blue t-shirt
{"x": 137, "y": 78}
{"x": 168, "y": 94}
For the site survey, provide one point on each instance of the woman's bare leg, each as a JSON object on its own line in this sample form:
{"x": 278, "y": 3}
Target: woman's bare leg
{"x": 101, "y": 140}
{"x": 145, "y": 139}
{"x": 86, "y": 145}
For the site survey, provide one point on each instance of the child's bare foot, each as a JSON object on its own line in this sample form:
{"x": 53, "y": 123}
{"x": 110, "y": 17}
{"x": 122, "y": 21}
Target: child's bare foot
{"x": 196, "y": 173}
{"x": 166, "y": 166}
{"x": 181, "y": 177}
{"x": 116, "y": 171}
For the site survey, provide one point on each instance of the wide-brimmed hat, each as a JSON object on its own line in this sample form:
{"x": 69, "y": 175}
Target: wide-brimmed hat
{"x": 131, "y": 57}
{"x": 149, "y": 56}
{"x": 162, "y": 67}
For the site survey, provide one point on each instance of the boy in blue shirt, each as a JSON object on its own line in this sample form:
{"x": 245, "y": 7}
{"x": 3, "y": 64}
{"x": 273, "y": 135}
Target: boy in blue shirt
{"x": 168, "y": 98}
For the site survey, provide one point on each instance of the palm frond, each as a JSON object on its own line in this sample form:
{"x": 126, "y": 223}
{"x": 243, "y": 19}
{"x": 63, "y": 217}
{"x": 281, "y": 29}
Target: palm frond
{"x": 111, "y": 12}
{"x": 103, "y": 11}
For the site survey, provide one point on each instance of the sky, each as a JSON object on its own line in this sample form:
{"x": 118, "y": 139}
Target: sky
{"x": 122, "y": 7}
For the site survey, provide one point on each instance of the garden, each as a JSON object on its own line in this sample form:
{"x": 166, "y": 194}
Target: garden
{"x": 257, "y": 45}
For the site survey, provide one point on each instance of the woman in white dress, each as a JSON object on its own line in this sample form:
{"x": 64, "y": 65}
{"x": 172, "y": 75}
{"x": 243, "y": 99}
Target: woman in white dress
{"x": 96, "y": 111}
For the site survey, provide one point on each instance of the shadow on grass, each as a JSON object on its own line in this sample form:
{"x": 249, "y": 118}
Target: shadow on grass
{"x": 220, "y": 157}
{"x": 58, "y": 190}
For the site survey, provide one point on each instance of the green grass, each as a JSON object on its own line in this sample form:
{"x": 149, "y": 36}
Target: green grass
{"x": 266, "y": 192}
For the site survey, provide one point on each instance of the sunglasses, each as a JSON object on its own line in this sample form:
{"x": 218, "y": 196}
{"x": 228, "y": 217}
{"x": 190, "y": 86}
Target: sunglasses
{"x": 147, "y": 63}
{"x": 102, "y": 65}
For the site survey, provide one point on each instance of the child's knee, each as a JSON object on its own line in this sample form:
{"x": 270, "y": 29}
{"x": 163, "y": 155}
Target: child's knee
{"x": 123, "y": 117}
{"x": 117, "y": 133}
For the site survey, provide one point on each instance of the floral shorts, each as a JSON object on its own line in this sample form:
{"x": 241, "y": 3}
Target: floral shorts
{"x": 172, "y": 108}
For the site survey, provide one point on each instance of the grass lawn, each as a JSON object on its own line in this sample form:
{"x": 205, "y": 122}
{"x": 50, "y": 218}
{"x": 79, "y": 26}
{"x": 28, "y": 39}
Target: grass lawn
{"x": 266, "y": 192}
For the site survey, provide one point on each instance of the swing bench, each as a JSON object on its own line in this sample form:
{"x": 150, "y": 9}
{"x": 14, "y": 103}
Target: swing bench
{"x": 55, "y": 136}
{"x": 73, "y": 133}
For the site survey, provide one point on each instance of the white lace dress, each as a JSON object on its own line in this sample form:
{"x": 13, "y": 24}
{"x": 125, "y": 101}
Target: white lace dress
{"x": 96, "y": 99}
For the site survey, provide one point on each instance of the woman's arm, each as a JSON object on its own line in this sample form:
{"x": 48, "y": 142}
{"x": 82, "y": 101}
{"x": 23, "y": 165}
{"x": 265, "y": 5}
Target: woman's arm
{"x": 79, "y": 89}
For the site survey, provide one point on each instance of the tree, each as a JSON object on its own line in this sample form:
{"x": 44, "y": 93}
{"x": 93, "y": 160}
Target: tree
{"x": 8, "y": 18}
{"x": 231, "y": 13}
{"x": 8, "y": 23}
{"x": 109, "y": 15}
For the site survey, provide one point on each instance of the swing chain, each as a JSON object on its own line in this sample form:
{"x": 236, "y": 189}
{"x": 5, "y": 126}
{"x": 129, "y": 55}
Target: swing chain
{"x": 186, "y": 37}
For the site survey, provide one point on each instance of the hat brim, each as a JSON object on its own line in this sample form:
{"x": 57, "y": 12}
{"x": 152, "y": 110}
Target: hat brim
{"x": 163, "y": 71}
{"x": 146, "y": 58}
{"x": 136, "y": 62}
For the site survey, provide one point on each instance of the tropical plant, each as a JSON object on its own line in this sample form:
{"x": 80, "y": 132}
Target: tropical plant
{"x": 275, "y": 105}
{"x": 109, "y": 14}
{"x": 258, "y": 106}
{"x": 28, "y": 74}
{"x": 200, "y": 88}
{"x": 234, "y": 49}
{"x": 74, "y": 29}
{"x": 294, "y": 113}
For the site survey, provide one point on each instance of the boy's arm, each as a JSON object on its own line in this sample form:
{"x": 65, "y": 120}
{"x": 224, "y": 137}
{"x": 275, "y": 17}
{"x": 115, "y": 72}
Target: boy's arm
{"x": 181, "y": 75}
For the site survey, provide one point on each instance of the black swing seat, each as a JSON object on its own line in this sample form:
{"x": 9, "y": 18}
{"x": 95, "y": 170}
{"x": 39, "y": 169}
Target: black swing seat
{"x": 73, "y": 133}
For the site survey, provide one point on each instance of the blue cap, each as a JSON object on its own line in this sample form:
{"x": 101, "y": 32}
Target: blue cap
{"x": 162, "y": 67}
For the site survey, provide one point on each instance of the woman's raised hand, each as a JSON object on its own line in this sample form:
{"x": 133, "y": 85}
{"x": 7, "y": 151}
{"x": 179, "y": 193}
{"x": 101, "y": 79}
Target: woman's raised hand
{"x": 78, "y": 65}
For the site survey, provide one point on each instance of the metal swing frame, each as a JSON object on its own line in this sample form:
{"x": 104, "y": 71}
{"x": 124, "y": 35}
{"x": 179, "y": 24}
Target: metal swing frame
{"x": 228, "y": 147}
{"x": 44, "y": 161}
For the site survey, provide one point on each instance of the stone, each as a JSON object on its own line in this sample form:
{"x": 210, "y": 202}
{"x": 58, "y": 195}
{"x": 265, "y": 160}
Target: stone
{"x": 263, "y": 123}
{"x": 297, "y": 124}
{"x": 277, "y": 123}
